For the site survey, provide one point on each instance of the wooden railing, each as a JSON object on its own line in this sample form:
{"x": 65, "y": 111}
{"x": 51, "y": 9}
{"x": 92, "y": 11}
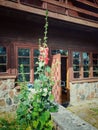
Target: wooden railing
{"x": 83, "y": 9}
{"x": 76, "y": 8}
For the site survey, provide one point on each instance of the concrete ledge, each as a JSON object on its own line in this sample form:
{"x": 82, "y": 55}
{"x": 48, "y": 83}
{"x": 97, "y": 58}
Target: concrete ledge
{"x": 66, "y": 120}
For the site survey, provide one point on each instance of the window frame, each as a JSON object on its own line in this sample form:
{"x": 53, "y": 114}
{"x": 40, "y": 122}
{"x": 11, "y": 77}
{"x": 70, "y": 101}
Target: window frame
{"x": 93, "y": 65}
{"x": 31, "y": 47}
{"x": 7, "y": 59}
{"x": 81, "y": 78}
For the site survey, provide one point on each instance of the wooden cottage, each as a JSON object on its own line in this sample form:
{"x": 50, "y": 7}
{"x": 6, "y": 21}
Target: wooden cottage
{"x": 72, "y": 39}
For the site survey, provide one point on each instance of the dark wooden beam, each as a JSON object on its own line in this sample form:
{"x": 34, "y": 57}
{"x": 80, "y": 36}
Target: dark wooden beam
{"x": 70, "y": 7}
{"x": 41, "y": 12}
{"x": 88, "y": 3}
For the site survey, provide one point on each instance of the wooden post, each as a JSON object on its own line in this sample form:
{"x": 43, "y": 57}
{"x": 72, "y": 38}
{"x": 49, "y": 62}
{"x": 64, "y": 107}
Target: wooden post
{"x": 18, "y": 1}
{"x": 66, "y": 10}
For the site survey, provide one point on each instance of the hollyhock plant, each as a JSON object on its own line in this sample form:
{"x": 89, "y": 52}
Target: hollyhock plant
{"x": 37, "y": 102}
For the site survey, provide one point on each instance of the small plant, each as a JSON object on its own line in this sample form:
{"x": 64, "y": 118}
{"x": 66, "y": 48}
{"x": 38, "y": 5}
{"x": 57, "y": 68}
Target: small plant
{"x": 7, "y": 125}
{"x": 95, "y": 110}
{"x": 36, "y": 103}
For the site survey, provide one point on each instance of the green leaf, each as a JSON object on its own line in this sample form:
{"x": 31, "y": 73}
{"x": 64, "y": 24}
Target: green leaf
{"x": 49, "y": 125}
{"x": 41, "y": 64}
{"x": 48, "y": 69}
{"x": 45, "y": 116}
{"x": 51, "y": 97}
{"x": 29, "y": 128}
{"x": 35, "y": 114}
{"x": 35, "y": 123}
{"x": 53, "y": 109}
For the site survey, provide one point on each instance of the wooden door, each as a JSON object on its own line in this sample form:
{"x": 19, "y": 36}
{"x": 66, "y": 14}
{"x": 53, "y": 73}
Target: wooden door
{"x": 56, "y": 75}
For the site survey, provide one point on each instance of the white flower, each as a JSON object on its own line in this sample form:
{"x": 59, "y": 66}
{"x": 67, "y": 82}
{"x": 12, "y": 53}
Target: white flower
{"x": 32, "y": 90}
{"x": 45, "y": 90}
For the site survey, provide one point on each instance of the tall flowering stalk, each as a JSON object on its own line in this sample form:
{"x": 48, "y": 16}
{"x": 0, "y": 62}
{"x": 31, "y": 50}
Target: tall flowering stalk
{"x": 43, "y": 48}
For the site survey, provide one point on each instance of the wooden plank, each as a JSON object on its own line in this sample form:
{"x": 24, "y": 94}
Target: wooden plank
{"x": 88, "y": 3}
{"x": 71, "y": 7}
{"x": 53, "y": 15}
{"x": 84, "y": 80}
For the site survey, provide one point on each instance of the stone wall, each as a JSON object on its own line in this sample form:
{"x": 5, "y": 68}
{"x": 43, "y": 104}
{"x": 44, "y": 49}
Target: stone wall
{"x": 78, "y": 92}
{"x": 8, "y": 95}
{"x": 83, "y": 91}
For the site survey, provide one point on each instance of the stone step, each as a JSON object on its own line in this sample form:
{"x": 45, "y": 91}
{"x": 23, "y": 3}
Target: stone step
{"x": 66, "y": 120}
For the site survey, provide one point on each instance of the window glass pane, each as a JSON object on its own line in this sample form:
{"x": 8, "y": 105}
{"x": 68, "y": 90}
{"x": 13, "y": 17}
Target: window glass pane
{"x": 75, "y": 61}
{"x": 27, "y": 76}
{"x": 95, "y": 74}
{"x": 24, "y": 61}
{"x": 35, "y": 75}
{"x": 20, "y": 78}
{"x": 76, "y": 75}
{"x": 64, "y": 52}
{"x": 86, "y": 62}
{"x": 85, "y": 55}
{"x": 35, "y": 60}
{"x": 36, "y": 53}
{"x": 26, "y": 69}
{"x": 85, "y": 68}
{"x": 2, "y": 59}
{"x": 2, "y": 50}
{"x": 95, "y": 67}
{"x": 2, "y": 68}
{"x": 23, "y": 52}
{"x": 60, "y": 51}
{"x": 86, "y": 74}
{"x": 95, "y": 56}
{"x": 85, "y": 58}
{"x": 76, "y": 54}
{"x": 76, "y": 68}
{"x": 95, "y": 62}
{"x": 53, "y": 52}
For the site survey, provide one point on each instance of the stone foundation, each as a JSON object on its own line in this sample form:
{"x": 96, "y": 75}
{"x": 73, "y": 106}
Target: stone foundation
{"x": 83, "y": 91}
{"x": 78, "y": 92}
{"x": 8, "y": 95}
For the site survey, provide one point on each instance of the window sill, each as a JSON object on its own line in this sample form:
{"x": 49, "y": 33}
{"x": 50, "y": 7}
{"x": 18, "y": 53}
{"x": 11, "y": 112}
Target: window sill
{"x": 7, "y": 76}
{"x": 84, "y": 80}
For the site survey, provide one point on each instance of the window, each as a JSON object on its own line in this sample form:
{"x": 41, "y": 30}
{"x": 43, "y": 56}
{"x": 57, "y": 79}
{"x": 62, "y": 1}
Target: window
{"x": 3, "y": 59}
{"x": 81, "y": 64}
{"x": 28, "y": 57}
{"x": 24, "y": 58}
{"x": 86, "y": 64}
{"x": 95, "y": 64}
{"x": 76, "y": 64}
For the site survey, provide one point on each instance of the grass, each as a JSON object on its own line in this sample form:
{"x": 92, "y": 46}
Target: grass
{"x": 7, "y": 121}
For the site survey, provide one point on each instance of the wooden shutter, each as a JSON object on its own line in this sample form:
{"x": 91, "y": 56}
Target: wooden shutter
{"x": 56, "y": 75}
